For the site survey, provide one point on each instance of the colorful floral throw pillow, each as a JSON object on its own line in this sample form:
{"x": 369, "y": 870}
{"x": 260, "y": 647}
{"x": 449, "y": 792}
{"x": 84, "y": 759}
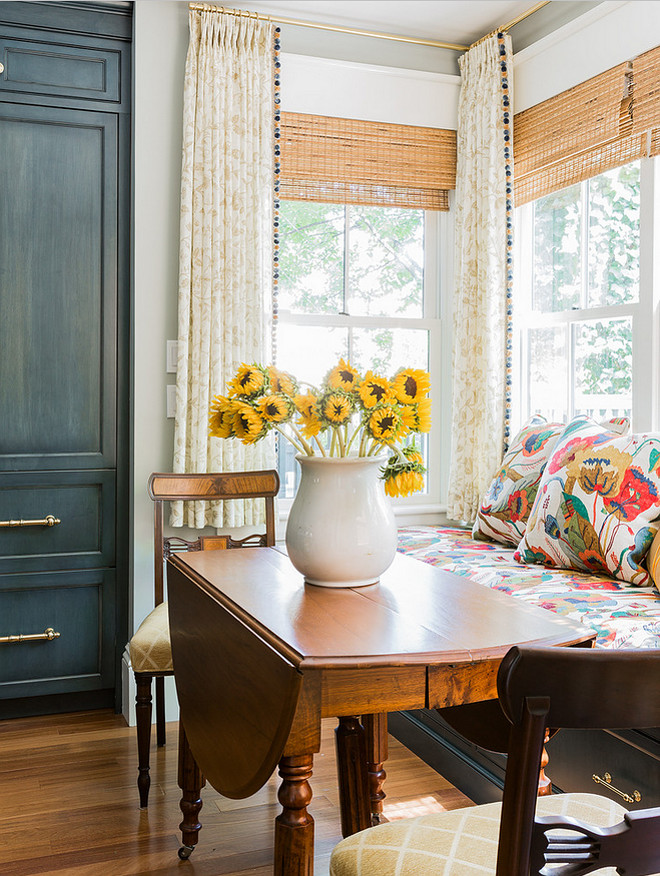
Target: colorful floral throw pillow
{"x": 505, "y": 507}
{"x": 597, "y": 508}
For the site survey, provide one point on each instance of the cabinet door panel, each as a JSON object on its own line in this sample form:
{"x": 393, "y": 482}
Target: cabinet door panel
{"x": 77, "y": 605}
{"x": 46, "y": 68}
{"x": 58, "y": 279}
{"x": 81, "y": 501}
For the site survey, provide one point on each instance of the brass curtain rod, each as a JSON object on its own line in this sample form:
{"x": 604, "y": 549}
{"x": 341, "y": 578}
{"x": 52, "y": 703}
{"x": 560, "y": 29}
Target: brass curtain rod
{"x": 512, "y": 23}
{"x": 209, "y": 7}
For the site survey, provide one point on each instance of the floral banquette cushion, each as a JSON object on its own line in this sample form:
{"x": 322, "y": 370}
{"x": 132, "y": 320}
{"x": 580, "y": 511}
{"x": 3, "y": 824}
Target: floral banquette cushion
{"x": 597, "y": 508}
{"x": 508, "y": 501}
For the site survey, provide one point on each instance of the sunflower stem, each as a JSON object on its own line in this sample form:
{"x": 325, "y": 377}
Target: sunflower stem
{"x": 353, "y": 437}
{"x": 305, "y": 445}
{"x": 288, "y": 437}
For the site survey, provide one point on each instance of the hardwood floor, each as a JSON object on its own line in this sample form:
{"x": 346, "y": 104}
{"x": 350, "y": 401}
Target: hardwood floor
{"x": 69, "y": 804}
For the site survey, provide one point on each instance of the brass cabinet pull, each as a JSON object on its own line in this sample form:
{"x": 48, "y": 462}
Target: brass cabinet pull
{"x": 48, "y": 634}
{"x": 606, "y": 779}
{"x": 48, "y": 520}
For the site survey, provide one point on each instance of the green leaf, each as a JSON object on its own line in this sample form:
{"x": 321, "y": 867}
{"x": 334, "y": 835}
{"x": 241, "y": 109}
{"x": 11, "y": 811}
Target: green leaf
{"x": 575, "y": 506}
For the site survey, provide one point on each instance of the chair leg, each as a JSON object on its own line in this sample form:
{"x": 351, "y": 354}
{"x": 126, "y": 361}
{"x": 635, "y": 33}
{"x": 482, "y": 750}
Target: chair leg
{"x": 160, "y": 710}
{"x": 143, "y": 727}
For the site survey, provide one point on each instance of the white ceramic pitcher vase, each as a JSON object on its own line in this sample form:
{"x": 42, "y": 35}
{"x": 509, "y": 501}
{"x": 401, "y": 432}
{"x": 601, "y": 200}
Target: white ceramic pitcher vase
{"x": 341, "y": 530}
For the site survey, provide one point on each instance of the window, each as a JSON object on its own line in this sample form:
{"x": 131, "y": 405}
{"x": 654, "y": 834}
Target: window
{"x": 580, "y": 307}
{"x": 353, "y": 283}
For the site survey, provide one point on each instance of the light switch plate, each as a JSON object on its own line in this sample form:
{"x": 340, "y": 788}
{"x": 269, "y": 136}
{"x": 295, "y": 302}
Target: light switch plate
{"x": 171, "y": 400}
{"x": 172, "y": 355}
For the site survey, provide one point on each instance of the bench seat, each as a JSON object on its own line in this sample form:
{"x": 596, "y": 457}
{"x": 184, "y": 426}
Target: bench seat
{"x": 623, "y": 616}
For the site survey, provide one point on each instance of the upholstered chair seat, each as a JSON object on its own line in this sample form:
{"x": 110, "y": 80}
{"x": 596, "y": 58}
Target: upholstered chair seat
{"x": 150, "y": 647}
{"x": 462, "y": 842}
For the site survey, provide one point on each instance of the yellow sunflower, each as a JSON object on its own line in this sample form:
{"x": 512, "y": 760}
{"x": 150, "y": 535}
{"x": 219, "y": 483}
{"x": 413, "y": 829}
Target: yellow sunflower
{"x": 404, "y": 483}
{"x": 250, "y": 381}
{"x": 282, "y": 381}
{"x": 410, "y": 385}
{"x": 310, "y": 426}
{"x": 275, "y": 407}
{"x": 335, "y": 408}
{"x": 306, "y": 404}
{"x": 384, "y": 424}
{"x": 343, "y": 376}
{"x": 404, "y": 472}
{"x": 221, "y": 418}
{"x": 417, "y": 417}
{"x": 249, "y": 425}
{"x": 374, "y": 390}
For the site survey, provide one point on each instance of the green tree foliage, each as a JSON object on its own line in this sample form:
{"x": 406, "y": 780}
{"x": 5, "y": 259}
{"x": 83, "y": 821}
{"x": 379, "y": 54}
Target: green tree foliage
{"x": 603, "y": 216}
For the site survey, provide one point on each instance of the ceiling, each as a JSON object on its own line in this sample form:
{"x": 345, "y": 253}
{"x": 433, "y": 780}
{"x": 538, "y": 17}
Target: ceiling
{"x": 451, "y": 21}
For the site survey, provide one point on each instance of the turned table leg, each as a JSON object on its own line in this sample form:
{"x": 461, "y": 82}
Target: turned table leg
{"x": 375, "y": 728}
{"x": 191, "y": 781}
{"x": 355, "y": 806}
{"x": 294, "y": 826}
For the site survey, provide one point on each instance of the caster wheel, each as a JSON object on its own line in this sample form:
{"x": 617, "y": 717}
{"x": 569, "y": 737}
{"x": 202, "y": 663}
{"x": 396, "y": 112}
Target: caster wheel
{"x": 185, "y": 852}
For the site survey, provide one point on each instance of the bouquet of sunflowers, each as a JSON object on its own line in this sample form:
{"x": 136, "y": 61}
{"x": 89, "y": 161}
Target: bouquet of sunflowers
{"x": 349, "y": 414}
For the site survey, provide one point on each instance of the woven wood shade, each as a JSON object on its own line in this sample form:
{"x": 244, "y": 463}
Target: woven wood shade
{"x": 655, "y": 142}
{"x": 646, "y": 94}
{"x": 343, "y": 161}
{"x": 575, "y": 135}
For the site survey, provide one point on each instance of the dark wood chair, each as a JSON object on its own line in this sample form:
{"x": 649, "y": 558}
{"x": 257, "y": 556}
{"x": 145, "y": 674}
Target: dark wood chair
{"x": 150, "y": 648}
{"x": 538, "y": 688}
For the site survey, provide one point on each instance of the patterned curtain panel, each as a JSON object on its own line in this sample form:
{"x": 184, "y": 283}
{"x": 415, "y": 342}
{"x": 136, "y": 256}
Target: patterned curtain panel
{"x": 226, "y": 247}
{"x": 482, "y": 303}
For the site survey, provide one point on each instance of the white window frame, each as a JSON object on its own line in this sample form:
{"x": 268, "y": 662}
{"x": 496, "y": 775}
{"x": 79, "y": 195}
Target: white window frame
{"x": 644, "y": 312}
{"x": 420, "y": 507}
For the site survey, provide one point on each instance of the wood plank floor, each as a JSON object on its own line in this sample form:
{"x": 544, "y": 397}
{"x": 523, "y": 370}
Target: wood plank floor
{"x": 68, "y": 804}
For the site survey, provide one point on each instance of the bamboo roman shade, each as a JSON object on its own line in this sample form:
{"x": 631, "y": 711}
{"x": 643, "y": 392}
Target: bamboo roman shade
{"x": 646, "y": 98}
{"x": 602, "y": 123}
{"x": 574, "y": 135}
{"x": 352, "y": 161}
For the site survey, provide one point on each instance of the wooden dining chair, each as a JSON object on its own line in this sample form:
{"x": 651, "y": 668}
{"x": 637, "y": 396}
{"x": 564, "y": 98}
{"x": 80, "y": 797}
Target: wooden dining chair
{"x": 150, "y": 647}
{"x": 538, "y": 688}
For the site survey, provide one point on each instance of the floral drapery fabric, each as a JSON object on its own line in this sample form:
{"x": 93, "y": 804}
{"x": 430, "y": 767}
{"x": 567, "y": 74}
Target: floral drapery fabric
{"x": 226, "y": 244}
{"x": 482, "y": 301}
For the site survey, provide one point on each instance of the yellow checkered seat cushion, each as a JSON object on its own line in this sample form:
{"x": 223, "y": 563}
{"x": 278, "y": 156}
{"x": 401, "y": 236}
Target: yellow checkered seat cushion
{"x": 150, "y": 647}
{"x": 462, "y": 842}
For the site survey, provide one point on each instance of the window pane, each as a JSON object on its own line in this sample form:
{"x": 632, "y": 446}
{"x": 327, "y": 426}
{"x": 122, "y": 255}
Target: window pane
{"x": 386, "y": 262}
{"x": 557, "y": 251}
{"x": 385, "y": 350}
{"x": 603, "y": 368}
{"x": 311, "y": 257}
{"x": 548, "y": 370}
{"x": 614, "y": 237}
{"x": 309, "y": 352}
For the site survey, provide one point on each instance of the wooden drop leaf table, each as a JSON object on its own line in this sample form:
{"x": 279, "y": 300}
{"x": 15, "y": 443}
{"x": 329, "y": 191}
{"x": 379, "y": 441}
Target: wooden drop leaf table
{"x": 260, "y": 658}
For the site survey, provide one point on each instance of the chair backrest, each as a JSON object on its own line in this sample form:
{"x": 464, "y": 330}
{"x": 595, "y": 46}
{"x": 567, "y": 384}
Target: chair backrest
{"x": 211, "y": 486}
{"x": 573, "y": 688}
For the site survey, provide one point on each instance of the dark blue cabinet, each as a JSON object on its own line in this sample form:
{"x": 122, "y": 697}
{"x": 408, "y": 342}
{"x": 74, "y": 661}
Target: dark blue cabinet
{"x": 64, "y": 355}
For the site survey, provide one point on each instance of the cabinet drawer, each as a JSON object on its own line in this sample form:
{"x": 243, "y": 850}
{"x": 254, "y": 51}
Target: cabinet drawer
{"x": 81, "y": 501}
{"x": 59, "y": 70}
{"x": 77, "y": 605}
{"x": 631, "y": 758}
